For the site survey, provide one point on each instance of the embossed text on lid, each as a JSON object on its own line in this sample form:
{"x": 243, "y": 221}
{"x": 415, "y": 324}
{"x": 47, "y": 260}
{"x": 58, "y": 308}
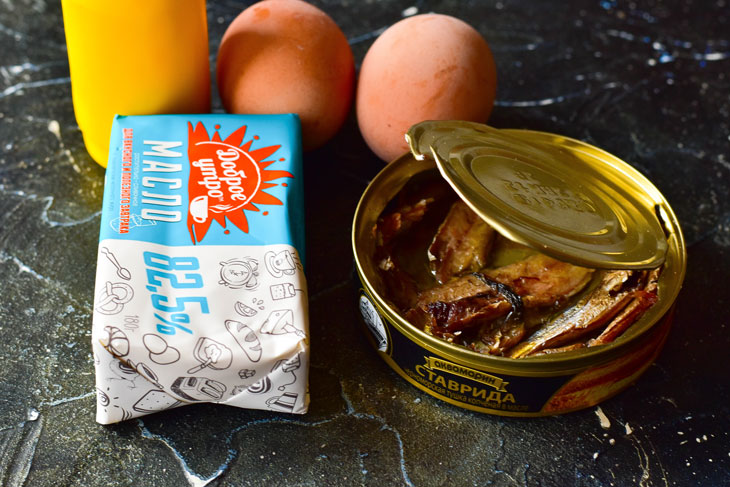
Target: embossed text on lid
{"x": 560, "y": 196}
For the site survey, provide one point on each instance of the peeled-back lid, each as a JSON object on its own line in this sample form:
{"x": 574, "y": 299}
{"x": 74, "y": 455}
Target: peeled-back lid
{"x": 561, "y": 196}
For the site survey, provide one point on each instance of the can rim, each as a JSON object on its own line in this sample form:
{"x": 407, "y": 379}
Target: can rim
{"x": 398, "y": 172}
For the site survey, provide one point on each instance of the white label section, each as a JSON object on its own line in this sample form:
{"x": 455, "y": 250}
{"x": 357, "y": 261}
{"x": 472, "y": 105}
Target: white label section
{"x": 179, "y": 325}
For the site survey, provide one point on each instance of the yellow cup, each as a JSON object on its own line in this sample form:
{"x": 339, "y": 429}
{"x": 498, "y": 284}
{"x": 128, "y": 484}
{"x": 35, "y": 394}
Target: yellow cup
{"x": 134, "y": 57}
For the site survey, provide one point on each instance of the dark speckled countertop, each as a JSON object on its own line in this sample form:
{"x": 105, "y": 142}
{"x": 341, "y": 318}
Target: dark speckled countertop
{"x": 647, "y": 81}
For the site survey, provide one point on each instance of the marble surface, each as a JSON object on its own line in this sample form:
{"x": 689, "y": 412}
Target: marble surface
{"x": 647, "y": 81}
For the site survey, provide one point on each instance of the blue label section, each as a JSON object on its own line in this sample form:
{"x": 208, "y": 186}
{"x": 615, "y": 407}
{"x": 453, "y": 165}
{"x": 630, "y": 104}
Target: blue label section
{"x": 212, "y": 179}
{"x": 464, "y": 385}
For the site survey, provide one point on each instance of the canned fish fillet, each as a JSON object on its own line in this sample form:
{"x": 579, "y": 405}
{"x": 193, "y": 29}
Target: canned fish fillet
{"x": 515, "y": 272}
{"x": 200, "y": 290}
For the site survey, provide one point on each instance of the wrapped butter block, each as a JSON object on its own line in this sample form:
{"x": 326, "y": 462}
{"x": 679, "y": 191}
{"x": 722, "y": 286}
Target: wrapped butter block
{"x": 200, "y": 291}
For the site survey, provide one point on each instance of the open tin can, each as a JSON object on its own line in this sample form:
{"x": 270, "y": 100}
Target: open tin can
{"x": 559, "y": 196}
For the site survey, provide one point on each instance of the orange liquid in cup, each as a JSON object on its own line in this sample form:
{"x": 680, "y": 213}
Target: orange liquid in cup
{"x": 134, "y": 57}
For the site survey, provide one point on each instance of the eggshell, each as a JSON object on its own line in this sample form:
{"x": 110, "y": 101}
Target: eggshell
{"x": 426, "y": 67}
{"x": 287, "y": 56}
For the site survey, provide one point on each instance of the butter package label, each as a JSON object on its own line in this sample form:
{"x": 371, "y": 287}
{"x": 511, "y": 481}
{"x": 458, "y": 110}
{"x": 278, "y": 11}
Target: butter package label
{"x": 200, "y": 290}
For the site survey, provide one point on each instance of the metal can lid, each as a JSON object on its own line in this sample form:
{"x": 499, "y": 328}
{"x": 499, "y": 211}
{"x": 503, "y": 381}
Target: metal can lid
{"x": 563, "y": 197}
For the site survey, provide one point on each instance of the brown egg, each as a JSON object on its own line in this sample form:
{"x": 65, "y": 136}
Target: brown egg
{"x": 287, "y": 56}
{"x": 426, "y": 67}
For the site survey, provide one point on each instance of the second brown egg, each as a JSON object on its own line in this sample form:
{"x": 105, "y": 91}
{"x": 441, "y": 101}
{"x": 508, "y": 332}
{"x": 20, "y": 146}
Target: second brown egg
{"x": 426, "y": 67}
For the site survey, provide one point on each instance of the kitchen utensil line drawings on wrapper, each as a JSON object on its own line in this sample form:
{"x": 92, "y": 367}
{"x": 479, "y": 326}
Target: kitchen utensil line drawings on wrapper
{"x": 284, "y": 403}
{"x": 198, "y": 388}
{"x": 145, "y": 371}
{"x": 288, "y": 366}
{"x": 240, "y": 273}
{"x": 130, "y": 373}
{"x": 280, "y": 322}
{"x": 122, "y": 272}
{"x": 283, "y": 291}
{"x": 266, "y": 384}
{"x": 211, "y": 353}
{"x": 282, "y": 263}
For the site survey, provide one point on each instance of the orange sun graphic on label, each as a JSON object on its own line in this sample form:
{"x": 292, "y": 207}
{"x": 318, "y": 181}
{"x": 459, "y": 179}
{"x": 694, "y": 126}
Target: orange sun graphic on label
{"x": 227, "y": 178}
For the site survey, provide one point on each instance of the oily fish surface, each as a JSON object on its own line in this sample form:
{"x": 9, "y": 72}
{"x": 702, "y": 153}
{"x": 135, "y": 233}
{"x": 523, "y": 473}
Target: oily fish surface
{"x": 287, "y": 56}
{"x": 426, "y": 67}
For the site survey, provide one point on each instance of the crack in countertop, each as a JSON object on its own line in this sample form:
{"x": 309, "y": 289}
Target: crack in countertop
{"x": 22, "y": 457}
{"x": 197, "y": 480}
{"x": 19, "y": 87}
{"x": 57, "y": 286}
{"x": 48, "y": 203}
{"x": 193, "y": 478}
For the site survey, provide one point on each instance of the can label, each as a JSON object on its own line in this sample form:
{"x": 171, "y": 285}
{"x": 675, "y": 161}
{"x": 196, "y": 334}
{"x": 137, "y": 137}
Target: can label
{"x": 466, "y": 386}
{"x": 504, "y": 394}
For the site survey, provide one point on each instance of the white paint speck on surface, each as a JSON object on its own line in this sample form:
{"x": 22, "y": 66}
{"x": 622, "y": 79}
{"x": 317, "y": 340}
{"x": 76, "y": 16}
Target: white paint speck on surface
{"x": 410, "y": 11}
{"x": 33, "y": 414}
{"x": 628, "y": 429}
{"x": 605, "y": 422}
{"x": 55, "y": 128}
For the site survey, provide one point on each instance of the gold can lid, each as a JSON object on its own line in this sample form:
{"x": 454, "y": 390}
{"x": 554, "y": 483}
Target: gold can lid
{"x": 563, "y": 197}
